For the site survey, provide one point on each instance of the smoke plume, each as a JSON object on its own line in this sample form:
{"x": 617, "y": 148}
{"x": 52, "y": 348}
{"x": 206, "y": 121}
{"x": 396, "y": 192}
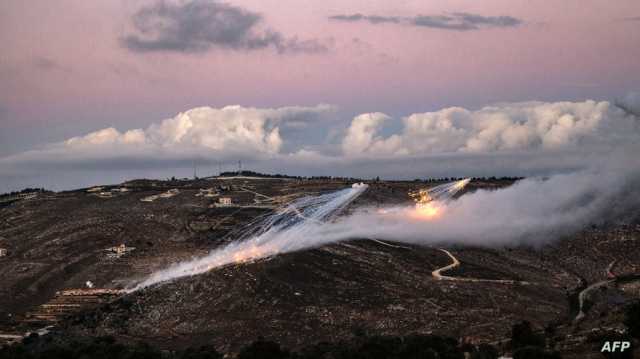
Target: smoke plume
{"x": 532, "y": 211}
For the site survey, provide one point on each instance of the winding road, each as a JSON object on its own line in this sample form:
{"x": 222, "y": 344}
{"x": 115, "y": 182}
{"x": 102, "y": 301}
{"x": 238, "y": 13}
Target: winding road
{"x": 437, "y": 274}
{"x": 582, "y": 297}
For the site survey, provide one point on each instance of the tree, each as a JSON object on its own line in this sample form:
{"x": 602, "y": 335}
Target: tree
{"x": 378, "y": 348}
{"x": 485, "y": 351}
{"x": 533, "y": 352}
{"x": 203, "y": 352}
{"x": 632, "y": 319}
{"x": 522, "y": 335}
{"x": 262, "y": 349}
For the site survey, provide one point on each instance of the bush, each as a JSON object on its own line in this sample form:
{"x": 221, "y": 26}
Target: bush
{"x": 534, "y": 352}
{"x": 632, "y": 319}
{"x": 54, "y": 346}
{"x": 261, "y": 349}
{"x": 485, "y": 351}
{"x": 204, "y": 352}
{"x": 378, "y": 348}
{"x": 522, "y": 335}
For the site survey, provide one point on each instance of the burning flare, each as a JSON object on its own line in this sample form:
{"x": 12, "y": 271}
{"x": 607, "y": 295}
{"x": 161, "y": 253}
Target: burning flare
{"x": 307, "y": 222}
{"x": 283, "y": 231}
{"x": 431, "y": 202}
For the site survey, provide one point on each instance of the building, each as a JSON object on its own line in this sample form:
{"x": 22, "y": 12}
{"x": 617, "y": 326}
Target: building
{"x": 105, "y": 195}
{"x": 170, "y": 193}
{"x": 224, "y": 201}
{"x": 149, "y": 198}
{"x": 3, "y": 252}
{"x": 27, "y": 195}
{"x": 209, "y": 192}
{"x": 118, "y": 251}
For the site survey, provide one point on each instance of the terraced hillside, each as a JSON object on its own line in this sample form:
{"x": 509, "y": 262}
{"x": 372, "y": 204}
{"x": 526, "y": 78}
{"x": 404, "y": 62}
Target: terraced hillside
{"x": 62, "y": 241}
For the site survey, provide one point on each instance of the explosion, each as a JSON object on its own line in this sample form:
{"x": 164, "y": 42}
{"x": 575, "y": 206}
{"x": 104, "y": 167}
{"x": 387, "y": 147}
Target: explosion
{"x": 252, "y": 253}
{"x": 286, "y": 230}
{"x": 305, "y": 223}
{"x": 430, "y": 203}
{"x": 426, "y": 210}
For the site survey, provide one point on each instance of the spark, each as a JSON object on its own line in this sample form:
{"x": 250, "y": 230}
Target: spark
{"x": 431, "y": 202}
{"x": 426, "y": 210}
{"x": 281, "y": 232}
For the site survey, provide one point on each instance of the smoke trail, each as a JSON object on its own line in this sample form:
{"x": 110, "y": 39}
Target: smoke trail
{"x": 285, "y": 231}
{"x": 533, "y": 211}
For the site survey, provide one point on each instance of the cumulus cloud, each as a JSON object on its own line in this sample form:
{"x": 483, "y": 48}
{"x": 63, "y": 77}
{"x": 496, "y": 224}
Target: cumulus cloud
{"x": 517, "y": 127}
{"x": 198, "y": 25}
{"x": 512, "y": 139}
{"x": 232, "y": 132}
{"x": 362, "y": 132}
{"x": 458, "y": 21}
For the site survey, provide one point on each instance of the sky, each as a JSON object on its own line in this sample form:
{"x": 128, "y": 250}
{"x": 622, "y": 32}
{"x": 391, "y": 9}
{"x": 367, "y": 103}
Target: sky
{"x": 108, "y": 90}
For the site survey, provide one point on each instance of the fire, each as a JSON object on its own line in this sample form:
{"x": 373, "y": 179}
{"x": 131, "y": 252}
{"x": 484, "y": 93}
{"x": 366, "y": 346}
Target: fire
{"x": 427, "y": 210}
{"x": 248, "y": 254}
{"x": 430, "y": 203}
{"x": 426, "y": 207}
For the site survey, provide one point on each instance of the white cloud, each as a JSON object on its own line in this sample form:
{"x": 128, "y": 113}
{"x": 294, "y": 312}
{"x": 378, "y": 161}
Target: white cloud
{"x": 508, "y": 139}
{"x": 528, "y": 126}
{"x": 361, "y": 135}
{"x": 229, "y": 131}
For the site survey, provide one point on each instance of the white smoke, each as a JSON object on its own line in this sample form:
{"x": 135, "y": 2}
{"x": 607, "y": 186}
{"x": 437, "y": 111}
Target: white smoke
{"x": 532, "y": 211}
{"x": 282, "y": 232}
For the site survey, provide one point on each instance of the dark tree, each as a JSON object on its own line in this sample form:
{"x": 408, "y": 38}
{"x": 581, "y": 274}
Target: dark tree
{"x": 203, "y": 352}
{"x": 262, "y": 349}
{"x": 522, "y": 335}
{"x": 485, "y": 351}
{"x": 533, "y": 352}
{"x": 632, "y": 319}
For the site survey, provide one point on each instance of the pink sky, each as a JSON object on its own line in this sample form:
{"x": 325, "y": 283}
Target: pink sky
{"x": 63, "y": 65}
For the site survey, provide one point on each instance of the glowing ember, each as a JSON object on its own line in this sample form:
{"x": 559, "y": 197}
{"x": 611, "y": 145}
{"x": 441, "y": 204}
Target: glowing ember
{"x": 285, "y": 230}
{"x": 249, "y": 254}
{"x": 426, "y": 210}
{"x": 430, "y": 203}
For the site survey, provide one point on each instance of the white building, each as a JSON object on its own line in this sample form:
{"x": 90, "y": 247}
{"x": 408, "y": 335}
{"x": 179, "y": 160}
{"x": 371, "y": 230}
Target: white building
{"x": 105, "y": 195}
{"x": 224, "y": 201}
{"x": 3, "y": 252}
{"x": 118, "y": 251}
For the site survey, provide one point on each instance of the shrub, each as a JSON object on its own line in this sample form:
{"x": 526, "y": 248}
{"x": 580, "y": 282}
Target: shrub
{"x": 632, "y": 319}
{"x": 522, "y": 335}
{"x": 261, "y": 349}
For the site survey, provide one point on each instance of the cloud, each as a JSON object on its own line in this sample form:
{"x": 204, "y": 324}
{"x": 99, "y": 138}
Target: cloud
{"x": 199, "y": 25}
{"x": 511, "y": 139}
{"x": 516, "y": 127}
{"x": 362, "y": 132}
{"x": 224, "y": 134}
{"x": 458, "y": 21}
{"x": 630, "y": 103}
